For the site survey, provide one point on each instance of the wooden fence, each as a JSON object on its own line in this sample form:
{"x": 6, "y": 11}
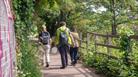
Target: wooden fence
{"x": 108, "y": 43}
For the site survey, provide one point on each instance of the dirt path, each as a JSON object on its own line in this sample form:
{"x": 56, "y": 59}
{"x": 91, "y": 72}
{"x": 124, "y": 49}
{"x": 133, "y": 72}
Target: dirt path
{"x": 70, "y": 71}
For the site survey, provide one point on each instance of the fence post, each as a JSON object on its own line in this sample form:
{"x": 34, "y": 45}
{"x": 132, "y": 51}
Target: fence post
{"x": 108, "y": 43}
{"x": 129, "y": 50}
{"x": 87, "y": 41}
{"x": 95, "y": 43}
{"x": 80, "y": 35}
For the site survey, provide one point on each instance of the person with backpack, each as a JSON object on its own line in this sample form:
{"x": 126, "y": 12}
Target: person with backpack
{"x": 74, "y": 47}
{"x": 44, "y": 38}
{"x": 63, "y": 41}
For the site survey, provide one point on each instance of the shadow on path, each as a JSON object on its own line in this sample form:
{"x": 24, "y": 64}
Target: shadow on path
{"x": 71, "y": 71}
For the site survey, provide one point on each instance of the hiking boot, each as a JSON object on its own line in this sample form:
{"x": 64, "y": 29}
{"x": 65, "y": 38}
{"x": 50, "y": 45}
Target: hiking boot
{"x": 63, "y": 67}
{"x": 47, "y": 64}
{"x": 73, "y": 63}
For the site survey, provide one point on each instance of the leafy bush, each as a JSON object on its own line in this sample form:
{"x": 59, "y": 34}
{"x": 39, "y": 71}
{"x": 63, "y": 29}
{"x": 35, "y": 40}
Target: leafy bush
{"x": 125, "y": 66}
{"x": 27, "y": 62}
{"x": 27, "y": 65}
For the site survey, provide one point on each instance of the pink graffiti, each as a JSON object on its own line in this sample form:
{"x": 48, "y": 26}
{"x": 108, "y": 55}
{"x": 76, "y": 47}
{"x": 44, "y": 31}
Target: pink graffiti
{"x": 10, "y": 19}
{"x": 9, "y": 32}
{"x": 0, "y": 45}
{"x": 1, "y": 53}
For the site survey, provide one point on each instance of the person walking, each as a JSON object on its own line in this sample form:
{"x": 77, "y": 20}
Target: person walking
{"x": 44, "y": 38}
{"x": 63, "y": 41}
{"x": 74, "y": 47}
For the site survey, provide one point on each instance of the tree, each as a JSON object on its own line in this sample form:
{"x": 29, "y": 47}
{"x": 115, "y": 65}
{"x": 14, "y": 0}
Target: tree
{"x": 118, "y": 10}
{"x": 54, "y": 11}
{"x": 89, "y": 14}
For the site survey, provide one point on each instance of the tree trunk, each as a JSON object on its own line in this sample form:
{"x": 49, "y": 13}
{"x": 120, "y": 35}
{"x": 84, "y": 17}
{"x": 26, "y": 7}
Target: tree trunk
{"x": 114, "y": 26}
{"x": 114, "y": 32}
{"x": 63, "y": 16}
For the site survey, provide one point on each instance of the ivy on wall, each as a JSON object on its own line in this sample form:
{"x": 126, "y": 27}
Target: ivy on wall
{"x": 26, "y": 62}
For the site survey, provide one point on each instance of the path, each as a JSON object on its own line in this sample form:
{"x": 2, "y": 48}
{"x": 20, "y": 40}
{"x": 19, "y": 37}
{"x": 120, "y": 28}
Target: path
{"x": 70, "y": 71}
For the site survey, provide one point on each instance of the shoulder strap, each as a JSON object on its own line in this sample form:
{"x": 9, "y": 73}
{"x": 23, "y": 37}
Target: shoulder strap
{"x": 63, "y": 30}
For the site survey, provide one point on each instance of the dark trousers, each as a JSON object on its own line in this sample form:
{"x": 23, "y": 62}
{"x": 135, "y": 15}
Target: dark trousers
{"x": 74, "y": 54}
{"x": 63, "y": 53}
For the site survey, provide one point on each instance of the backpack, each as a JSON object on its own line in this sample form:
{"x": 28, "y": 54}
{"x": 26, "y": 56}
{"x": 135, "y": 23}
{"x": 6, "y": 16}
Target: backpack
{"x": 45, "y": 37}
{"x": 63, "y": 38}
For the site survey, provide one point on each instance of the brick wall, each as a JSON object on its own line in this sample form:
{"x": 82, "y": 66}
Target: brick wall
{"x": 7, "y": 41}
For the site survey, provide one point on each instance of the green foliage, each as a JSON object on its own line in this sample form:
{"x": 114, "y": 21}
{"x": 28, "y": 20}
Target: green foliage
{"x": 54, "y": 11}
{"x": 124, "y": 42}
{"x": 104, "y": 13}
{"x": 124, "y": 29}
{"x": 87, "y": 15}
{"x": 125, "y": 66}
{"x": 26, "y": 62}
{"x": 109, "y": 67}
{"x": 128, "y": 71}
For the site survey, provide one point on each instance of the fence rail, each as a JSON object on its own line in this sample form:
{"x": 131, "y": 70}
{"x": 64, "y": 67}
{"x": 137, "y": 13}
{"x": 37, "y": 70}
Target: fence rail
{"x": 134, "y": 37}
{"x": 108, "y": 44}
